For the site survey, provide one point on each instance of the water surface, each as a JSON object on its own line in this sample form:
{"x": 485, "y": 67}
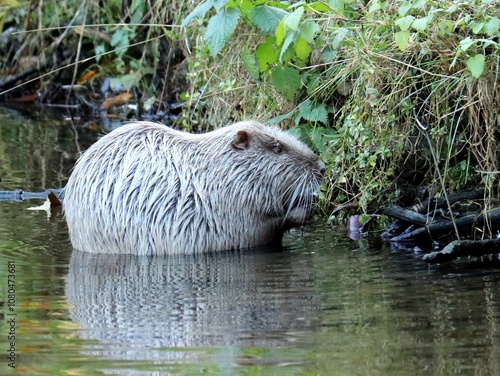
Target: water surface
{"x": 326, "y": 305}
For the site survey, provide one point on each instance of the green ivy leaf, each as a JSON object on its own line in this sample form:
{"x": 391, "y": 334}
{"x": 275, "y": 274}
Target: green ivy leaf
{"x": 250, "y": 63}
{"x": 100, "y": 49}
{"x": 266, "y": 54}
{"x": 286, "y": 80}
{"x": 293, "y": 19}
{"x": 402, "y": 38}
{"x": 267, "y": 18}
{"x": 220, "y": 28}
{"x": 476, "y": 65}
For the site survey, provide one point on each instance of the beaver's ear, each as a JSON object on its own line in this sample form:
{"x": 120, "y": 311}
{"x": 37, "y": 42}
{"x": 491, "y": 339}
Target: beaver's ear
{"x": 242, "y": 140}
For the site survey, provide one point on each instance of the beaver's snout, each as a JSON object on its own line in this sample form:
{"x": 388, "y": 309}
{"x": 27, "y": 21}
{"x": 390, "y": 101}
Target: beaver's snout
{"x": 321, "y": 167}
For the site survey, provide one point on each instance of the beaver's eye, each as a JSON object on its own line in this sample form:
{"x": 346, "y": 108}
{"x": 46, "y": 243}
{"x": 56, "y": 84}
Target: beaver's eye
{"x": 276, "y": 147}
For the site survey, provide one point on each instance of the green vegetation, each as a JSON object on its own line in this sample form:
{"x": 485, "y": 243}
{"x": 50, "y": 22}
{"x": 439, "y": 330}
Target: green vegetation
{"x": 399, "y": 97}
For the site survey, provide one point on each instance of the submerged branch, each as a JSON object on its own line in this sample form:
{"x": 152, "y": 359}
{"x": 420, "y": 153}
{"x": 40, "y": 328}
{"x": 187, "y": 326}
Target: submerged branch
{"x": 460, "y": 248}
{"x": 441, "y": 227}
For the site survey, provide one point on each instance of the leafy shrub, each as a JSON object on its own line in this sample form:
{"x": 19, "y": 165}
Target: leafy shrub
{"x": 357, "y": 78}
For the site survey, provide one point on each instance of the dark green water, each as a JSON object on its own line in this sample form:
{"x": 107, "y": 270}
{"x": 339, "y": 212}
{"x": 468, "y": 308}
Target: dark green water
{"x": 327, "y": 306}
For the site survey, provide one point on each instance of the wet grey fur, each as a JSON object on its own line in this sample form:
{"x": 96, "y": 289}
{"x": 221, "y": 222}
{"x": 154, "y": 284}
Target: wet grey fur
{"x": 148, "y": 189}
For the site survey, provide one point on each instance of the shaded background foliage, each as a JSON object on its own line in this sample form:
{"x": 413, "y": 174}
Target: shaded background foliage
{"x": 388, "y": 92}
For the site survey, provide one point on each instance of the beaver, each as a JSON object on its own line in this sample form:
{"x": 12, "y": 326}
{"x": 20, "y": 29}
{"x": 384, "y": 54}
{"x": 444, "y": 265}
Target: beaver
{"x": 145, "y": 188}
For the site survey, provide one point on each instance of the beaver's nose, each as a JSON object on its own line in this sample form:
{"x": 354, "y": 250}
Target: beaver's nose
{"x": 321, "y": 167}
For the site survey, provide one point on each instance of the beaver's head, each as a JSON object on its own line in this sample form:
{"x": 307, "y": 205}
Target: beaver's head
{"x": 279, "y": 172}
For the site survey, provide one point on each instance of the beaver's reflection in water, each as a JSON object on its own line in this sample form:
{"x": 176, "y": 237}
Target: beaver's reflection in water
{"x": 136, "y": 305}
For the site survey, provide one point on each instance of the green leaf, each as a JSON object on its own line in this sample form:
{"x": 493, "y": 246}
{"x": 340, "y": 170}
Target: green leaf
{"x": 286, "y": 80}
{"x": 293, "y": 19}
{"x": 280, "y": 32}
{"x": 338, "y": 6}
{"x": 198, "y": 12}
{"x": 250, "y": 63}
{"x": 218, "y": 4}
{"x": 374, "y": 6}
{"x": 419, "y": 4}
{"x": 117, "y": 37}
{"x": 466, "y": 43}
{"x": 220, "y": 28}
{"x": 404, "y": 8}
{"x": 420, "y": 24}
{"x": 492, "y": 27}
{"x": 405, "y": 22}
{"x": 100, "y": 49}
{"x": 319, "y": 6}
{"x": 120, "y": 41}
{"x": 309, "y": 30}
{"x": 445, "y": 28}
{"x": 125, "y": 82}
{"x": 476, "y": 29}
{"x": 339, "y": 36}
{"x": 314, "y": 112}
{"x": 267, "y": 18}
{"x": 290, "y": 38}
{"x": 302, "y": 48}
{"x": 318, "y": 139}
{"x": 137, "y": 10}
{"x": 313, "y": 80}
{"x": 266, "y": 54}
{"x": 401, "y": 38}
{"x": 476, "y": 65}
{"x": 279, "y": 118}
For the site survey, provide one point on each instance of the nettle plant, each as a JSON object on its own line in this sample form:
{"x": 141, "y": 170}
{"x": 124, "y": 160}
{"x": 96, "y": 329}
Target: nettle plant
{"x": 290, "y": 38}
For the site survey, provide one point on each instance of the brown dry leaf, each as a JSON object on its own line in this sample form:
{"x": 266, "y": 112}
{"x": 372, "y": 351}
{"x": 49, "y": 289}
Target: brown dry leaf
{"x": 116, "y": 101}
{"x": 26, "y": 98}
{"x": 87, "y": 77}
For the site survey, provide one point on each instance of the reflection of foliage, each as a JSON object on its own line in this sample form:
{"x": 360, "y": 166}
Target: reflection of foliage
{"x": 40, "y": 251}
{"x": 35, "y": 154}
